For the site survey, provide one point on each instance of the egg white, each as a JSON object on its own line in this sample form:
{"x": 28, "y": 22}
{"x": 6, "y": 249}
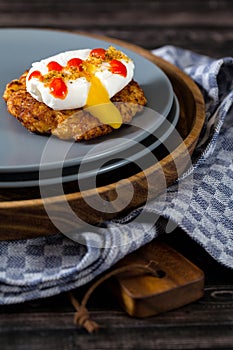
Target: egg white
{"x": 78, "y": 89}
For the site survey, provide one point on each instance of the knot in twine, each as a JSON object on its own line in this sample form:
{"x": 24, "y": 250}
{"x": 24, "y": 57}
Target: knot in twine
{"x": 82, "y": 318}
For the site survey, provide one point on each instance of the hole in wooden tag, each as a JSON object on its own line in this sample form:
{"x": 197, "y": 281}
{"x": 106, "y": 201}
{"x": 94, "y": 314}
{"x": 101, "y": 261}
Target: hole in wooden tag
{"x": 161, "y": 273}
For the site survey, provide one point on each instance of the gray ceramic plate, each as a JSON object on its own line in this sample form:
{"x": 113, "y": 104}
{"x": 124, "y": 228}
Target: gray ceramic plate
{"x": 124, "y": 164}
{"x": 21, "y": 151}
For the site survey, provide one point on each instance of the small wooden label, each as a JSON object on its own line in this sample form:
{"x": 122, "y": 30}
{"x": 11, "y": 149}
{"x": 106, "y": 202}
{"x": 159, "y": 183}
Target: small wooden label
{"x": 176, "y": 281}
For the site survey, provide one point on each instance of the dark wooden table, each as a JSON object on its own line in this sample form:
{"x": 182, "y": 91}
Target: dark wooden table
{"x": 200, "y": 25}
{"x": 205, "y": 324}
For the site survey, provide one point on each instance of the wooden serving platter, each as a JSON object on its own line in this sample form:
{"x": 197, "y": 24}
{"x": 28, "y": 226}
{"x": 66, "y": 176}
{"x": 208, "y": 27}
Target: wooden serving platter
{"x": 22, "y": 211}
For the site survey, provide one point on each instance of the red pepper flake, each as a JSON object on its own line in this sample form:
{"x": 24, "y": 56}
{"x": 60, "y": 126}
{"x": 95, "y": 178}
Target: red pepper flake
{"x": 75, "y": 63}
{"x": 117, "y": 67}
{"x": 98, "y": 52}
{"x": 53, "y": 65}
{"x": 36, "y": 74}
{"x": 58, "y": 88}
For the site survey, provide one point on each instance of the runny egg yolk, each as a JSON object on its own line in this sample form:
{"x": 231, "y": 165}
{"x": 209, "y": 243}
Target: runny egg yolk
{"x": 100, "y": 106}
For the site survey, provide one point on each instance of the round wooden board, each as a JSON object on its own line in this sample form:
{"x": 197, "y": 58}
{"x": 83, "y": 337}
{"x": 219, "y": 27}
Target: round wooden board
{"x": 22, "y": 211}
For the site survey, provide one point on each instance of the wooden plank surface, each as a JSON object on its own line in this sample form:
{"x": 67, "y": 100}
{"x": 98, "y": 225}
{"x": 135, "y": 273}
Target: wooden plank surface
{"x": 204, "y": 26}
{"x": 190, "y": 24}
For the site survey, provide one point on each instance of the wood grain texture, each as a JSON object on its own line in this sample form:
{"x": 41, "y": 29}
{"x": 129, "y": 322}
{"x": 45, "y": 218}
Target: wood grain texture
{"x": 30, "y": 215}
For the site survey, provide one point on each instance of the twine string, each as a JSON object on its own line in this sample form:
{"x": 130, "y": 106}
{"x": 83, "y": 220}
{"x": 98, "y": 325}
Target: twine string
{"x": 82, "y": 316}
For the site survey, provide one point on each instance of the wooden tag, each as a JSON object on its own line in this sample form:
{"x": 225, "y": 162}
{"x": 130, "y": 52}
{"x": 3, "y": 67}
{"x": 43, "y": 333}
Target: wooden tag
{"x": 176, "y": 282}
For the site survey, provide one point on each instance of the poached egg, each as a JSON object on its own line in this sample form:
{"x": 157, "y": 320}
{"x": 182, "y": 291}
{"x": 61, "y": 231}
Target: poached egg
{"x": 82, "y": 78}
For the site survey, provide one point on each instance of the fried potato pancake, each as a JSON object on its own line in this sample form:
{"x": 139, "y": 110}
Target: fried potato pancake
{"x": 77, "y": 124}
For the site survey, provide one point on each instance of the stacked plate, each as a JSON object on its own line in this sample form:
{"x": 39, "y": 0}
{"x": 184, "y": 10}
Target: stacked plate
{"x": 29, "y": 160}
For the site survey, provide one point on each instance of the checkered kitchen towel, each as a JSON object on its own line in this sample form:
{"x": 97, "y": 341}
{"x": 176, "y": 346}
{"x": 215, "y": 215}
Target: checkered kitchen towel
{"x": 46, "y": 266}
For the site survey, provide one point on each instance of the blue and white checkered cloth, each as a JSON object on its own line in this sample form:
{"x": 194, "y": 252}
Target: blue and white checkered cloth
{"x": 46, "y": 266}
